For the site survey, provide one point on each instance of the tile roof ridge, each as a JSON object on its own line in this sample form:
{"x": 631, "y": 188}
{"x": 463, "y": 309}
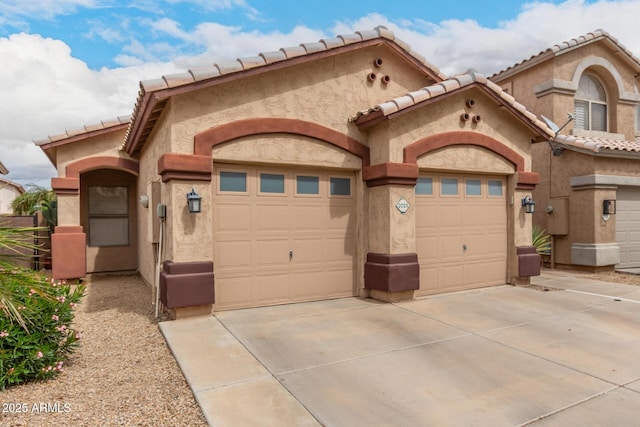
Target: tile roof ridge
{"x": 68, "y": 133}
{"x": 559, "y": 48}
{"x": 597, "y": 144}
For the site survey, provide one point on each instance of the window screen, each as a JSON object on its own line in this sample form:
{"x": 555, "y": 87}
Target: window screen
{"x": 108, "y": 216}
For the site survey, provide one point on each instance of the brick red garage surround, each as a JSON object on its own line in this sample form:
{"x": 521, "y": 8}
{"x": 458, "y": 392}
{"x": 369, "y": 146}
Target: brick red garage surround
{"x": 205, "y": 141}
{"x": 525, "y": 180}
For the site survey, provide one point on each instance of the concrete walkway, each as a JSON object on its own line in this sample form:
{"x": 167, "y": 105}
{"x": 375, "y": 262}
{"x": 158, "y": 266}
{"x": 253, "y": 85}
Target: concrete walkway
{"x": 502, "y": 356}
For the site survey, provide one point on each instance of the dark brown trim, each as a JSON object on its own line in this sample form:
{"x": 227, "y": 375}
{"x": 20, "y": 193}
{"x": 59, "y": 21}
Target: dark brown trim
{"x": 436, "y": 142}
{"x": 390, "y": 173}
{"x": 68, "y": 252}
{"x": 74, "y": 169}
{"x": 527, "y": 180}
{"x": 392, "y": 272}
{"x": 190, "y": 167}
{"x": 528, "y": 261}
{"x": 206, "y": 140}
{"x": 187, "y": 284}
{"x": 65, "y": 185}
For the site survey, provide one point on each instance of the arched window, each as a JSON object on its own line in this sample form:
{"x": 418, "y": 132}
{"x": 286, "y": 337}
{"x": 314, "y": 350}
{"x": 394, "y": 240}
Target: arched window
{"x": 590, "y": 105}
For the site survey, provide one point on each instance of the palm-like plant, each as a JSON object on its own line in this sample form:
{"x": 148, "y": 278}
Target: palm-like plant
{"x": 32, "y": 200}
{"x": 13, "y": 243}
{"x": 541, "y": 240}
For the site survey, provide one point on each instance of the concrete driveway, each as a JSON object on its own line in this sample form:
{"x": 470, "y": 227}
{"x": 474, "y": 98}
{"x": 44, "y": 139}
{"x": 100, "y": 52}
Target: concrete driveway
{"x": 502, "y": 356}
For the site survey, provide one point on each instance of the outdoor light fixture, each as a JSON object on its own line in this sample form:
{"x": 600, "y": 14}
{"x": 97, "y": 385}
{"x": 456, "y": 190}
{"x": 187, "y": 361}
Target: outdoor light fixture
{"x": 193, "y": 201}
{"x": 608, "y": 208}
{"x": 529, "y": 204}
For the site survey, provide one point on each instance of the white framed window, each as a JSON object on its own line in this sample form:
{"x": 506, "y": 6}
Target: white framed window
{"x": 449, "y": 187}
{"x": 424, "y": 186}
{"x": 339, "y": 186}
{"x": 232, "y": 181}
{"x": 590, "y": 105}
{"x": 108, "y": 216}
{"x": 308, "y": 185}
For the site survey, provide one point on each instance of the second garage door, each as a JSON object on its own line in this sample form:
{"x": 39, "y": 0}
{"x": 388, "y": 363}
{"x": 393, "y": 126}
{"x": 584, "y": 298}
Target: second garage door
{"x": 461, "y": 232}
{"x": 628, "y": 226}
{"x": 282, "y": 236}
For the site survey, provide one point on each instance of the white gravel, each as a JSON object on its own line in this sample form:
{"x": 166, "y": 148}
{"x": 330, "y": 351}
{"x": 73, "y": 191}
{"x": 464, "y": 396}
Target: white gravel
{"x": 122, "y": 374}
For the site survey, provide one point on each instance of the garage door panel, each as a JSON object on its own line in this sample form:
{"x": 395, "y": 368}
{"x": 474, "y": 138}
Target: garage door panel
{"x": 232, "y": 218}
{"x": 308, "y": 218}
{"x": 308, "y": 251}
{"x": 272, "y": 252}
{"x": 628, "y": 226}
{"x": 233, "y": 254}
{"x": 265, "y": 227}
{"x": 233, "y": 291}
{"x": 272, "y": 288}
{"x": 478, "y": 221}
{"x": 450, "y": 216}
{"x": 271, "y": 218}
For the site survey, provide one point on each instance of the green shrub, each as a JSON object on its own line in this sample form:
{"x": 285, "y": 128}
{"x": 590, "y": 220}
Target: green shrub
{"x": 35, "y": 325}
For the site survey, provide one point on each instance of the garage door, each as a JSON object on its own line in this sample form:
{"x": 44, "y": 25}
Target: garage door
{"x": 461, "y": 232}
{"x": 628, "y": 226}
{"x": 282, "y": 236}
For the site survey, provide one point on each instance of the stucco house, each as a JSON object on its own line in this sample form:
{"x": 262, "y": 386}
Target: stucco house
{"x": 589, "y": 195}
{"x": 9, "y": 190}
{"x": 346, "y": 167}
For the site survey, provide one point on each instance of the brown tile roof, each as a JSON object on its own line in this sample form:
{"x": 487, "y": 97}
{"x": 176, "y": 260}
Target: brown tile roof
{"x": 3, "y": 169}
{"x": 4, "y": 181}
{"x": 446, "y": 87}
{"x": 560, "y": 48}
{"x": 599, "y": 145}
{"x": 154, "y": 94}
{"x": 83, "y": 132}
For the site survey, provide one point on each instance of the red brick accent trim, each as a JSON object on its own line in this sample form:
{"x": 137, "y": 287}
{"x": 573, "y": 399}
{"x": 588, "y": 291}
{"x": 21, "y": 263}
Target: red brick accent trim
{"x": 65, "y": 185}
{"x": 390, "y": 173}
{"x": 68, "y": 252}
{"x": 527, "y": 180}
{"x": 435, "y": 142}
{"x": 188, "y": 167}
{"x": 206, "y": 140}
{"x": 392, "y": 272}
{"x": 74, "y": 169}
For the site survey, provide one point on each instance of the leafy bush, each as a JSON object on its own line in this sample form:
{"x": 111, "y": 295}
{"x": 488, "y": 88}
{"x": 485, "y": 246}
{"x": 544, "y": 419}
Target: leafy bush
{"x": 35, "y": 325}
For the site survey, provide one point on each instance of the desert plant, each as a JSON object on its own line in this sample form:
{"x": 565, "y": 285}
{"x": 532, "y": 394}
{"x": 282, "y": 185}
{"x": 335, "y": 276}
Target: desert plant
{"x": 541, "y": 240}
{"x": 31, "y": 201}
{"x": 38, "y": 351}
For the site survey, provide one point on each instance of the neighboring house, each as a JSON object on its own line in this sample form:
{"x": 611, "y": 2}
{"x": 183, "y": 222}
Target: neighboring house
{"x": 595, "y": 165}
{"x": 9, "y": 190}
{"x": 346, "y": 167}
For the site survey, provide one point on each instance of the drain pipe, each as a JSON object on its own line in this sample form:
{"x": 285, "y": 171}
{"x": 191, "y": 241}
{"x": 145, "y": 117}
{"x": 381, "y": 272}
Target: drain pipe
{"x": 159, "y": 262}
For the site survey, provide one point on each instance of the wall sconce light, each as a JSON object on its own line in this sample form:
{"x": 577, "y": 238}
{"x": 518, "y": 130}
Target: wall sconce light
{"x": 144, "y": 201}
{"x": 528, "y": 204}
{"x": 608, "y": 208}
{"x": 193, "y": 201}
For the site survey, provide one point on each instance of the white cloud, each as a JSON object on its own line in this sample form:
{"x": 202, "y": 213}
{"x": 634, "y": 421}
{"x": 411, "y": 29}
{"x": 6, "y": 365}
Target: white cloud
{"x": 45, "y": 91}
{"x": 216, "y": 5}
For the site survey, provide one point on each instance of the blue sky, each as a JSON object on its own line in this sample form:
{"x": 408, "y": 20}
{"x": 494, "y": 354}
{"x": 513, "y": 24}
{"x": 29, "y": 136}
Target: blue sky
{"x": 67, "y": 63}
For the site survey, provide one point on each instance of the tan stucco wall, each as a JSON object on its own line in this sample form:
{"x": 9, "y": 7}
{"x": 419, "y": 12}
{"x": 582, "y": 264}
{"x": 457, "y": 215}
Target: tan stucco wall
{"x": 149, "y": 155}
{"x": 285, "y": 149}
{"x": 327, "y": 91}
{"x": 101, "y": 145}
{"x": 467, "y": 158}
{"x": 8, "y": 192}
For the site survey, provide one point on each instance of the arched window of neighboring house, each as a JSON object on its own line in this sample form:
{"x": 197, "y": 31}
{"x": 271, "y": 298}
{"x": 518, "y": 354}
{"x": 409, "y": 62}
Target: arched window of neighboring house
{"x": 590, "y": 105}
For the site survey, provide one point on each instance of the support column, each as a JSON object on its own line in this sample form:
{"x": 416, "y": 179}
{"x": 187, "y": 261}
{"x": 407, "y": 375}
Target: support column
{"x": 391, "y": 271}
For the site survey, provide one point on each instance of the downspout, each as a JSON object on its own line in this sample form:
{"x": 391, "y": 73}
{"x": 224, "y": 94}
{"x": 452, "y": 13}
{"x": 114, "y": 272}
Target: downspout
{"x": 159, "y": 263}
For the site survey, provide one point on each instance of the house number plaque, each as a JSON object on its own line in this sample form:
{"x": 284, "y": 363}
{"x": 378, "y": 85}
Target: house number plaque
{"x": 402, "y": 205}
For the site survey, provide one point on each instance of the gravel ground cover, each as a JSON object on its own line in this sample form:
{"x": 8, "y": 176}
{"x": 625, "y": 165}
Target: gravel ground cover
{"x": 122, "y": 374}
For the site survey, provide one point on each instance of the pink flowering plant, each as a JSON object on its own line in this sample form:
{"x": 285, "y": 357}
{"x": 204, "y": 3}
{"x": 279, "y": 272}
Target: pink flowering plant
{"x": 35, "y": 346}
